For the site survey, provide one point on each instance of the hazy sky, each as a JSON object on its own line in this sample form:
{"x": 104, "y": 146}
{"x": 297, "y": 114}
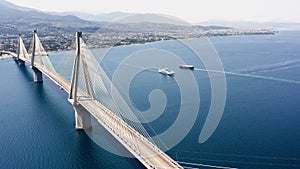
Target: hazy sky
{"x": 189, "y": 10}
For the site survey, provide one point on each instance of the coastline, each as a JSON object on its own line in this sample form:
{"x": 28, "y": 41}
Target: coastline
{"x": 113, "y": 39}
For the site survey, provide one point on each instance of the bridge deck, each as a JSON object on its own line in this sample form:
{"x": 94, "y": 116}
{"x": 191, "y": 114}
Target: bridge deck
{"x": 7, "y": 54}
{"x": 146, "y": 152}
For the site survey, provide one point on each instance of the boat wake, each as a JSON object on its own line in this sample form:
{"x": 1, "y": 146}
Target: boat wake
{"x": 252, "y": 76}
{"x": 273, "y": 67}
{"x": 284, "y": 65}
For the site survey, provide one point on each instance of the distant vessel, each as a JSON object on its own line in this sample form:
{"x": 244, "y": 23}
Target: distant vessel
{"x": 166, "y": 71}
{"x": 187, "y": 67}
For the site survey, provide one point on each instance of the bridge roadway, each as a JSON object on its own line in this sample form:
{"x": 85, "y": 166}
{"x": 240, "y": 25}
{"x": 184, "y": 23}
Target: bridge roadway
{"x": 139, "y": 146}
{"x": 7, "y": 54}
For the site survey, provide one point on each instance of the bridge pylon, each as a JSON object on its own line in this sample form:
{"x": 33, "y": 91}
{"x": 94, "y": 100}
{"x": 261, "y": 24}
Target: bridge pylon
{"x": 82, "y": 116}
{"x": 37, "y": 74}
{"x": 18, "y": 60}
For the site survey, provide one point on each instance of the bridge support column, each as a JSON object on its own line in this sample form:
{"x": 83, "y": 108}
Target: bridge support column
{"x": 18, "y": 60}
{"x": 37, "y": 75}
{"x": 78, "y": 119}
{"x": 82, "y": 118}
{"x": 21, "y": 62}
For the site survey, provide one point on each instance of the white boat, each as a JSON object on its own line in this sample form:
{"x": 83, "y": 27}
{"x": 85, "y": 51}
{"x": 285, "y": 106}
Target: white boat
{"x": 187, "y": 67}
{"x": 166, "y": 71}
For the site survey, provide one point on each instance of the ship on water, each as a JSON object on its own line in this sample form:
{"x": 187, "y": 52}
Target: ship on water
{"x": 166, "y": 71}
{"x": 187, "y": 67}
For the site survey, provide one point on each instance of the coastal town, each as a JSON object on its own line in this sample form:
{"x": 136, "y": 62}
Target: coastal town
{"x": 57, "y": 40}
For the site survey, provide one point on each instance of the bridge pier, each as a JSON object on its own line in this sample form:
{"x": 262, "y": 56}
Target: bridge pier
{"x": 21, "y": 62}
{"x": 82, "y": 118}
{"x": 37, "y": 75}
{"x": 78, "y": 119}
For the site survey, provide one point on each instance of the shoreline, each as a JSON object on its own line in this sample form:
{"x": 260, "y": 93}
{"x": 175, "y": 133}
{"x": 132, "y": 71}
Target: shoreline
{"x": 133, "y": 44}
{"x": 111, "y": 39}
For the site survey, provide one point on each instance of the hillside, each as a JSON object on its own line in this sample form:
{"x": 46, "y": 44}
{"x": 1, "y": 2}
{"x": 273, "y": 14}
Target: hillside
{"x": 15, "y": 20}
{"x": 57, "y": 31}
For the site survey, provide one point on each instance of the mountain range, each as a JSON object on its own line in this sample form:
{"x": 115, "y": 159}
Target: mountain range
{"x": 22, "y": 19}
{"x": 10, "y": 13}
{"x": 106, "y": 17}
{"x": 57, "y": 29}
{"x": 15, "y": 15}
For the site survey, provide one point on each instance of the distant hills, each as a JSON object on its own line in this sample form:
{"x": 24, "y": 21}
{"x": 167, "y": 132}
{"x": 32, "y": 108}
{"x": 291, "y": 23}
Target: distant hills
{"x": 16, "y": 19}
{"x": 115, "y": 16}
{"x": 123, "y": 17}
{"x": 9, "y": 5}
{"x": 58, "y": 29}
{"x": 21, "y": 19}
{"x": 9, "y": 12}
{"x": 106, "y": 17}
{"x": 15, "y": 15}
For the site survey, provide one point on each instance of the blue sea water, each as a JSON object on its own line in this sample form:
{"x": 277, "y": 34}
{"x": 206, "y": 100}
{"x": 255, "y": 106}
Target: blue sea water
{"x": 259, "y": 128}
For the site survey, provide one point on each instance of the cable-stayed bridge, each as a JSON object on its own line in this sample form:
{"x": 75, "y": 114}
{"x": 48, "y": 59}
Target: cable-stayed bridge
{"x": 89, "y": 94}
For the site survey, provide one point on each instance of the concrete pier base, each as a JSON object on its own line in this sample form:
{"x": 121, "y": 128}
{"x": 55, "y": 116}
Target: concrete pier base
{"x": 37, "y": 75}
{"x": 78, "y": 119}
{"x": 82, "y": 118}
{"x": 21, "y": 62}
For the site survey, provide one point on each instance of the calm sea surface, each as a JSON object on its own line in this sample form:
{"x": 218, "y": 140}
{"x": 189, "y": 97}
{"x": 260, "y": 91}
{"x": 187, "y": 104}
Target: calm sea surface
{"x": 259, "y": 128}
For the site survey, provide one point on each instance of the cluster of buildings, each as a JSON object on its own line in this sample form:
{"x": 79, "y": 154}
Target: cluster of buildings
{"x": 57, "y": 41}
